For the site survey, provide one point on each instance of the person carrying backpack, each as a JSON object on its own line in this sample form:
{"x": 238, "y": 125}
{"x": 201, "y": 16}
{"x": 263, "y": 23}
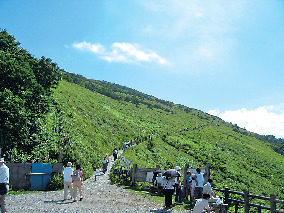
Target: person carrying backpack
{"x": 115, "y": 152}
{"x": 77, "y": 180}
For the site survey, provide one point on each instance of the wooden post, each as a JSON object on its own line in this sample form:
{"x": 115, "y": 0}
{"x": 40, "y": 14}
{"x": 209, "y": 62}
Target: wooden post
{"x": 207, "y": 171}
{"x": 184, "y": 178}
{"x": 134, "y": 170}
{"x": 226, "y": 195}
{"x": 236, "y": 206}
{"x": 272, "y": 203}
{"x": 246, "y": 198}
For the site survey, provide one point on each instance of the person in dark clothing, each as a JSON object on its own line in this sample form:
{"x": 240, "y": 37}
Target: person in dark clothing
{"x": 115, "y": 152}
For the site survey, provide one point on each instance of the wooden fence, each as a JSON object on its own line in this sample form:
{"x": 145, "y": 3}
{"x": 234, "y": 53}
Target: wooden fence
{"x": 246, "y": 202}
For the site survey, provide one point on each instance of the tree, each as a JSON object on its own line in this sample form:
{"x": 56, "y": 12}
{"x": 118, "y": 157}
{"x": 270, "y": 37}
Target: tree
{"x": 25, "y": 93}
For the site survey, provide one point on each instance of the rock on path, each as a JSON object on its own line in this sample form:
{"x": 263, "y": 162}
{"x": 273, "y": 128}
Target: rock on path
{"x": 99, "y": 196}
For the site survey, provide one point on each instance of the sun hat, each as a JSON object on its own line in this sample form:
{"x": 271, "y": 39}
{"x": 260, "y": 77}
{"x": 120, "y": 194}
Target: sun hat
{"x": 178, "y": 168}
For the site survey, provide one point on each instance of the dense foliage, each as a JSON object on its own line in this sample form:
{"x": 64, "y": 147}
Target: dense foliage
{"x": 25, "y": 95}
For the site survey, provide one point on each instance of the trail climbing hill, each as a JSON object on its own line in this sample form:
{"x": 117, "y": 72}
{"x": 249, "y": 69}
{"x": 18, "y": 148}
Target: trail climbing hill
{"x": 99, "y": 196}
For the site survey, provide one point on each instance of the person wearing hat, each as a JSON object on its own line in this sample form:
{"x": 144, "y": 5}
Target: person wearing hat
{"x": 68, "y": 174}
{"x": 178, "y": 198}
{"x": 4, "y": 184}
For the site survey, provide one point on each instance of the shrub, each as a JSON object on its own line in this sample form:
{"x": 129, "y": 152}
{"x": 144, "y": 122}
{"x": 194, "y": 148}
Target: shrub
{"x": 56, "y": 182}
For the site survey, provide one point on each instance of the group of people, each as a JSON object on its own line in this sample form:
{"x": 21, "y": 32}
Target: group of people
{"x": 195, "y": 190}
{"x": 73, "y": 181}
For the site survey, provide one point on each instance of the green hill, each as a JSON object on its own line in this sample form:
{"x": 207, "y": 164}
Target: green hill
{"x": 81, "y": 120}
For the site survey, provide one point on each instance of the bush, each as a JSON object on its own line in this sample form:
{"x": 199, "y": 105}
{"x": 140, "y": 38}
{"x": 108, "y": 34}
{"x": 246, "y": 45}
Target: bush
{"x": 56, "y": 182}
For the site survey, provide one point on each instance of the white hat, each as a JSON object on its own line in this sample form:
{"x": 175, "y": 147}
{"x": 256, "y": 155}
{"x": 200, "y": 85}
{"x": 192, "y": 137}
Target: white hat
{"x": 2, "y": 160}
{"x": 178, "y": 168}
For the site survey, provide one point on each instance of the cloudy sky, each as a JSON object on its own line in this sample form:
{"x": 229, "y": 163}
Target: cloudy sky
{"x": 222, "y": 57}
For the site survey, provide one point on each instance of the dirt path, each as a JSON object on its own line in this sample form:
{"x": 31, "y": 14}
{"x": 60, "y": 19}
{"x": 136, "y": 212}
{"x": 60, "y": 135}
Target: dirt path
{"x": 99, "y": 196}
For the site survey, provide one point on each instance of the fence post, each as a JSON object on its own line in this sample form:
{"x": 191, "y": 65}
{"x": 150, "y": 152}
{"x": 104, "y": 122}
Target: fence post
{"x": 226, "y": 195}
{"x": 272, "y": 203}
{"x": 134, "y": 170}
{"x": 184, "y": 177}
{"x": 207, "y": 171}
{"x": 246, "y": 198}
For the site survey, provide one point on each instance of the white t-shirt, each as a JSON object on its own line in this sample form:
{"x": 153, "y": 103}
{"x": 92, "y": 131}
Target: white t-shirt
{"x": 169, "y": 184}
{"x": 207, "y": 189}
{"x": 159, "y": 180}
{"x": 200, "y": 179}
{"x": 200, "y": 205}
{"x": 68, "y": 171}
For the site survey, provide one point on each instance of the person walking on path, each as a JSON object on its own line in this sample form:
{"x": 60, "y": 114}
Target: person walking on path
{"x": 200, "y": 181}
{"x": 4, "y": 184}
{"x": 105, "y": 163}
{"x": 77, "y": 182}
{"x": 115, "y": 152}
{"x": 68, "y": 173}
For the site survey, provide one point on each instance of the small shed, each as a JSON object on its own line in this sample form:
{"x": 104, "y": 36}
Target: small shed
{"x": 32, "y": 176}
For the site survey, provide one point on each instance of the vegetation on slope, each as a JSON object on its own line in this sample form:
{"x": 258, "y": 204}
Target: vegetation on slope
{"x": 80, "y": 120}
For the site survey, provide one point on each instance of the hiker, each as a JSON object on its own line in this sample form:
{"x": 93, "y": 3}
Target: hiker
{"x": 168, "y": 185}
{"x": 107, "y": 157}
{"x": 68, "y": 173}
{"x": 207, "y": 188}
{"x": 77, "y": 180}
{"x": 178, "y": 198}
{"x": 193, "y": 184}
{"x": 200, "y": 181}
{"x": 4, "y": 184}
{"x": 158, "y": 183}
{"x": 115, "y": 152}
{"x": 105, "y": 163}
{"x": 187, "y": 184}
{"x": 202, "y": 205}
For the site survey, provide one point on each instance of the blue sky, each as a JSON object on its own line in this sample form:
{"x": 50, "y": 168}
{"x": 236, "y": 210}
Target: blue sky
{"x": 222, "y": 57}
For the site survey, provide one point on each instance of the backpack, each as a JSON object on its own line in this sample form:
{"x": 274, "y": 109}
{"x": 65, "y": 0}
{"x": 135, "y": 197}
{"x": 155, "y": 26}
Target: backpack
{"x": 76, "y": 175}
{"x": 115, "y": 152}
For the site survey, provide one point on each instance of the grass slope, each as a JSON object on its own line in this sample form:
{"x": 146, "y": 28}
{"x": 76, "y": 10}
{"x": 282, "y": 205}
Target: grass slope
{"x": 92, "y": 124}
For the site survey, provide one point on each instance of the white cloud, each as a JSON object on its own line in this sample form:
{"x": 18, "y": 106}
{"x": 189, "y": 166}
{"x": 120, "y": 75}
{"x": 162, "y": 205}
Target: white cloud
{"x": 265, "y": 120}
{"x": 204, "y": 29}
{"x": 121, "y": 52}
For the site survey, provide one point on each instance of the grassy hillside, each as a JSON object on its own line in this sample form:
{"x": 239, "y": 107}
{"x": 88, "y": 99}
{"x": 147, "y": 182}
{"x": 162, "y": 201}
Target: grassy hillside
{"x": 81, "y": 120}
{"x": 96, "y": 123}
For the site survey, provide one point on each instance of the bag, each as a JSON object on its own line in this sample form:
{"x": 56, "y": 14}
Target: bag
{"x": 76, "y": 175}
{"x": 3, "y": 189}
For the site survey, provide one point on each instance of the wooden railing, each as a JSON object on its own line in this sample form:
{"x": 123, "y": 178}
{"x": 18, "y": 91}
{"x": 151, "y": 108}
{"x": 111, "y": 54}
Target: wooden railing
{"x": 247, "y": 204}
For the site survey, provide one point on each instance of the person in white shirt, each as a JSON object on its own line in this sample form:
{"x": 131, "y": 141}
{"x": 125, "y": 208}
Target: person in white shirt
{"x": 207, "y": 188}
{"x": 158, "y": 182}
{"x": 202, "y": 205}
{"x": 4, "y": 182}
{"x": 200, "y": 181}
{"x": 68, "y": 174}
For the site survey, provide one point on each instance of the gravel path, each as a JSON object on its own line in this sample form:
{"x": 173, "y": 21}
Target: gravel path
{"x": 99, "y": 196}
